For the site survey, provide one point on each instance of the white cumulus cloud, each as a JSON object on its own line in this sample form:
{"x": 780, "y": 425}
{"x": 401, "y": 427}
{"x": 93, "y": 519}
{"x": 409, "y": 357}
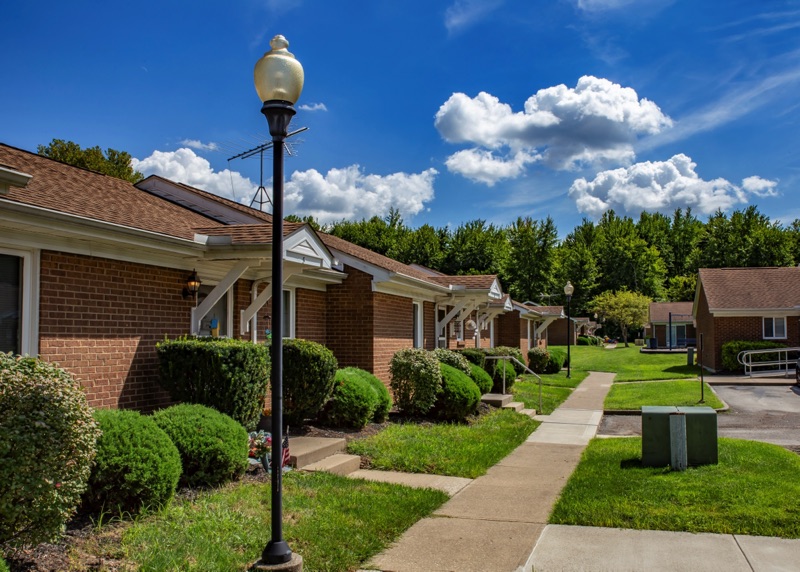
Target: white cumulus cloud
{"x": 196, "y": 144}
{"x": 185, "y": 166}
{"x": 313, "y": 107}
{"x": 596, "y": 122}
{"x": 464, "y": 13}
{"x": 663, "y": 186}
{"x": 351, "y": 194}
{"x": 481, "y": 166}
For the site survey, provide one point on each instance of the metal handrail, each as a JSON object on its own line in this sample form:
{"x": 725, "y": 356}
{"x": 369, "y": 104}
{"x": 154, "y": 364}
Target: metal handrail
{"x": 783, "y": 362}
{"x": 526, "y": 368}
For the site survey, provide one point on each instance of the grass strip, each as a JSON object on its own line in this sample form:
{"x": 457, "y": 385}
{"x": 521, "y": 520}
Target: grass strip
{"x": 630, "y": 364}
{"x": 458, "y": 450}
{"x": 753, "y": 490}
{"x": 528, "y": 393}
{"x": 333, "y": 522}
{"x": 677, "y": 392}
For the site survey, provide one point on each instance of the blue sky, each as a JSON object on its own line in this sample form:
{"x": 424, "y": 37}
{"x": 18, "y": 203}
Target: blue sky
{"x": 449, "y": 111}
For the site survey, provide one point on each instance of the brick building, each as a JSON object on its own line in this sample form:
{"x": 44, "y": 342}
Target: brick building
{"x": 93, "y": 270}
{"x": 671, "y": 324}
{"x": 753, "y": 304}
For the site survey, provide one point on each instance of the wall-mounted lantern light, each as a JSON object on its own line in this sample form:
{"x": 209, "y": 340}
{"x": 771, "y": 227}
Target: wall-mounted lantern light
{"x": 192, "y": 286}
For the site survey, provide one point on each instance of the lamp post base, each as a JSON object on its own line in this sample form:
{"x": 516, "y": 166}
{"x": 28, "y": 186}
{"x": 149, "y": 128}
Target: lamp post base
{"x": 295, "y": 564}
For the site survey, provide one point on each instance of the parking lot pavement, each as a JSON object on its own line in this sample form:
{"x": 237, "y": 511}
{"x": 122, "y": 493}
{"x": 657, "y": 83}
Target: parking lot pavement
{"x": 757, "y": 412}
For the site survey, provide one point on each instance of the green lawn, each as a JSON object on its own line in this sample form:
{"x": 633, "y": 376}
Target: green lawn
{"x": 459, "y": 450}
{"x": 335, "y": 523}
{"x": 631, "y": 365}
{"x": 556, "y": 388}
{"x": 678, "y": 392}
{"x": 753, "y": 490}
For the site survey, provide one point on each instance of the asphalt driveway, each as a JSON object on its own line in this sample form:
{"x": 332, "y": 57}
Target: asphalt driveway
{"x": 769, "y": 413}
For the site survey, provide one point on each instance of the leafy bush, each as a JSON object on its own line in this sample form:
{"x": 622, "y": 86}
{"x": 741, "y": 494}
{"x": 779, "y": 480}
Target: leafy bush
{"x": 459, "y": 396}
{"x": 584, "y": 341}
{"x": 516, "y": 353}
{"x": 230, "y": 375}
{"x": 416, "y": 380}
{"x": 213, "y": 446}
{"x": 47, "y": 443}
{"x": 384, "y": 398}
{"x": 731, "y": 350}
{"x": 353, "y": 401}
{"x": 500, "y": 366}
{"x": 309, "y": 369}
{"x": 137, "y": 465}
{"x": 474, "y": 355}
{"x": 3, "y": 565}
{"x": 482, "y": 379}
{"x": 453, "y": 359}
{"x": 558, "y": 357}
{"x": 538, "y": 358}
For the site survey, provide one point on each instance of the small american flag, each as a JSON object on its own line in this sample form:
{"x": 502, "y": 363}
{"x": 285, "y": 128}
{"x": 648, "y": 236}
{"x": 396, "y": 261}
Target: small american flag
{"x": 285, "y": 448}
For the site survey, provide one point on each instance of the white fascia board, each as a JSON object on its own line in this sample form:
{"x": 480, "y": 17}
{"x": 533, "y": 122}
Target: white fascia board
{"x": 378, "y": 274}
{"x": 754, "y": 312}
{"x": 12, "y": 178}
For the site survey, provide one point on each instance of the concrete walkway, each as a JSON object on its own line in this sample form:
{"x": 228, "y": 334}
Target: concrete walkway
{"x": 493, "y": 523}
{"x": 498, "y": 522}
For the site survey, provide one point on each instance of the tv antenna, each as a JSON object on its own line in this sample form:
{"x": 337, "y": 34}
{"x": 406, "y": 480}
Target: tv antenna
{"x": 261, "y": 196}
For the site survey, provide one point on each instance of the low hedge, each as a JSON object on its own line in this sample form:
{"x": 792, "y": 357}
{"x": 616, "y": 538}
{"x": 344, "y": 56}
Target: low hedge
{"x": 232, "y": 376}
{"x": 538, "y": 359}
{"x": 514, "y": 352}
{"x": 384, "y": 397}
{"x": 557, "y": 360}
{"x": 474, "y": 355}
{"x": 213, "y": 446}
{"x": 459, "y": 396}
{"x": 453, "y": 359}
{"x": 353, "y": 402}
{"x": 416, "y": 380}
{"x": 731, "y": 350}
{"x": 137, "y": 465}
{"x": 499, "y": 366}
{"x": 481, "y": 378}
{"x": 309, "y": 370}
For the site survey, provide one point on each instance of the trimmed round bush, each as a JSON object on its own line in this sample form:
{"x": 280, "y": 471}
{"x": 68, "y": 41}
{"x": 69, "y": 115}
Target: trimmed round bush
{"x": 538, "y": 358}
{"x": 47, "y": 444}
{"x": 474, "y": 355}
{"x": 3, "y": 565}
{"x": 416, "y": 380}
{"x": 459, "y": 396}
{"x": 452, "y": 359}
{"x": 499, "y": 366}
{"x": 482, "y": 379}
{"x": 384, "y": 397}
{"x": 516, "y": 353}
{"x": 558, "y": 357}
{"x": 213, "y": 447}
{"x": 309, "y": 370}
{"x": 353, "y": 402}
{"x": 137, "y": 466}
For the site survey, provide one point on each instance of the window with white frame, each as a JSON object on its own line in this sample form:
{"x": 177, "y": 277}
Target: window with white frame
{"x": 775, "y": 328}
{"x": 19, "y": 293}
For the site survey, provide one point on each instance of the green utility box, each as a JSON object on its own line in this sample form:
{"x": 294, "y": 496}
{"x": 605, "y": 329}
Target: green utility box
{"x": 701, "y": 435}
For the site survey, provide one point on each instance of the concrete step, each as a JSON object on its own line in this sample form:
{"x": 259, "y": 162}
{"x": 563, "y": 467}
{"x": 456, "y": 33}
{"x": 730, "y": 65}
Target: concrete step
{"x": 307, "y": 450}
{"x": 497, "y": 399}
{"x": 529, "y": 412}
{"x": 515, "y": 405}
{"x": 338, "y": 464}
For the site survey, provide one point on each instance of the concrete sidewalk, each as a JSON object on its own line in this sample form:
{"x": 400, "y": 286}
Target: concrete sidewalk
{"x": 498, "y": 522}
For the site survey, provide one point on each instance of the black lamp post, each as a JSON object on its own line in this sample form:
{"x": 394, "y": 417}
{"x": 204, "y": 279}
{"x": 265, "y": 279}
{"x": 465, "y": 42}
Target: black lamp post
{"x": 568, "y": 290}
{"x": 279, "y": 81}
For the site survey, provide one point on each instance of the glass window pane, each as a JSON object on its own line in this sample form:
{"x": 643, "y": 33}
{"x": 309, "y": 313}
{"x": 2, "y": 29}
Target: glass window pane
{"x": 287, "y": 314}
{"x": 780, "y": 327}
{"x": 10, "y": 303}
{"x": 768, "y": 330}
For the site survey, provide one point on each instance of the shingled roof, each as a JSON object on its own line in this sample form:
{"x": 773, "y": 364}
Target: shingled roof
{"x": 63, "y": 188}
{"x": 248, "y": 233}
{"x": 660, "y": 312}
{"x": 751, "y": 288}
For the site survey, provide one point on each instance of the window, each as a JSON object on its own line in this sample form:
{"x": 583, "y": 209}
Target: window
{"x": 10, "y": 303}
{"x": 457, "y": 330}
{"x": 417, "y": 324}
{"x": 216, "y": 321}
{"x": 775, "y": 328}
{"x": 288, "y": 314}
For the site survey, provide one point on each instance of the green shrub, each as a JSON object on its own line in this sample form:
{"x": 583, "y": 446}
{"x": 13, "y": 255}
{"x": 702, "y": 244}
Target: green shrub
{"x": 229, "y": 375}
{"x": 459, "y": 396}
{"x": 516, "y": 353}
{"x": 416, "y": 380}
{"x": 47, "y": 443}
{"x": 500, "y": 366}
{"x": 453, "y": 359}
{"x": 137, "y": 465}
{"x": 474, "y": 355}
{"x": 558, "y": 357}
{"x": 353, "y": 401}
{"x": 482, "y": 379}
{"x": 538, "y": 358}
{"x": 384, "y": 397}
{"x": 584, "y": 341}
{"x": 730, "y": 351}
{"x": 3, "y": 565}
{"x": 213, "y": 446}
{"x": 309, "y": 369}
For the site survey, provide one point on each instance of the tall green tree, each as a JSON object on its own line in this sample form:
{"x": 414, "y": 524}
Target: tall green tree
{"x": 530, "y": 265}
{"x": 112, "y": 162}
{"x": 684, "y": 237}
{"x": 627, "y": 309}
{"x": 381, "y": 235}
{"x": 575, "y": 262}
{"x": 476, "y": 248}
{"x": 425, "y": 246}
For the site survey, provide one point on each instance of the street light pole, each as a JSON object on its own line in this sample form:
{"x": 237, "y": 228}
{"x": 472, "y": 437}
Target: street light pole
{"x": 279, "y": 81}
{"x": 568, "y": 290}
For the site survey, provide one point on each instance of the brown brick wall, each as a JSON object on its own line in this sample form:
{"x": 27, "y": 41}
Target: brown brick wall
{"x": 557, "y": 333}
{"x": 393, "y": 327}
{"x": 350, "y": 320}
{"x": 511, "y": 330}
{"x": 311, "y": 315}
{"x": 100, "y": 319}
{"x": 429, "y": 325}
{"x": 711, "y": 357}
